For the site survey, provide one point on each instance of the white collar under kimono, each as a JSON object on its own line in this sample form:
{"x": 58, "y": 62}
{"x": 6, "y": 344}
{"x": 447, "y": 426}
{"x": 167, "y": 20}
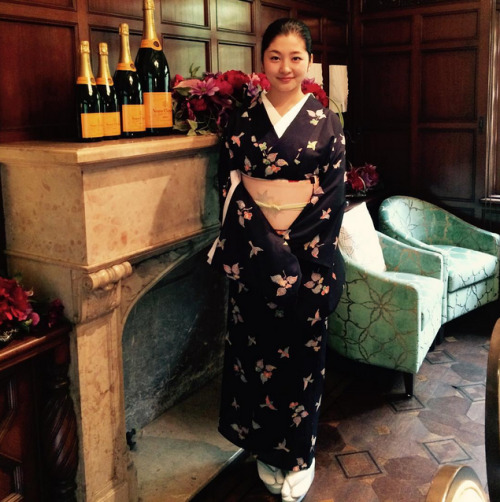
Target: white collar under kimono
{"x": 279, "y": 122}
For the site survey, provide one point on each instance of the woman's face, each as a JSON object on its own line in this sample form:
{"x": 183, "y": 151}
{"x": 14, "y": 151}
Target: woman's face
{"x": 286, "y": 62}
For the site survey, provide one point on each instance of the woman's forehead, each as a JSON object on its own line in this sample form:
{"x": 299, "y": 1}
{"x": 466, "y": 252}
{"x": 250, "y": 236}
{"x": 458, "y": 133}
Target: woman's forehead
{"x": 289, "y": 42}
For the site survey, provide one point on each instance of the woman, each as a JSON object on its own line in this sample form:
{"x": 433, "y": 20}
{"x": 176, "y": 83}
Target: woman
{"x": 284, "y": 282}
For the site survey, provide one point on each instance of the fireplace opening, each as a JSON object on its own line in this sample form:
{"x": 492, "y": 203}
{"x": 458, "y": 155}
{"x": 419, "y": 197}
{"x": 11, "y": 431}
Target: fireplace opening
{"x": 173, "y": 340}
{"x": 172, "y": 345}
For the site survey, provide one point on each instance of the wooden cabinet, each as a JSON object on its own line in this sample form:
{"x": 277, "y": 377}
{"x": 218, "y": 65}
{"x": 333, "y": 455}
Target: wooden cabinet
{"x": 38, "y": 440}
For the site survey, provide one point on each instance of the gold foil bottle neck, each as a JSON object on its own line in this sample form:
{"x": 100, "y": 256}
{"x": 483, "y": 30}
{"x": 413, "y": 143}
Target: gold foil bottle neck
{"x": 103, "y": 74}
{"x": 84, "y": 47}
{"x": 125, "y": 60}
{"x": 103, "y": 49}
{"x": 123, "y": 29}
{"x": 85, "y": 75}
{"x": 149, "y": 37}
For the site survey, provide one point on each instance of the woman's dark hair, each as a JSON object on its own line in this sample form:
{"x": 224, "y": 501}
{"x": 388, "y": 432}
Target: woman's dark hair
{"x": 286, "y": 26}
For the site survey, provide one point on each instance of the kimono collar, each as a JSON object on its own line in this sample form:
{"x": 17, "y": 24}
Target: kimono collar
{"x": 280, "y": 123}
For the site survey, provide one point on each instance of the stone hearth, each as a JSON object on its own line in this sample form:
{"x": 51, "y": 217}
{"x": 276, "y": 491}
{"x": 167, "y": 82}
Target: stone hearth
{"x": 98, "y": 226}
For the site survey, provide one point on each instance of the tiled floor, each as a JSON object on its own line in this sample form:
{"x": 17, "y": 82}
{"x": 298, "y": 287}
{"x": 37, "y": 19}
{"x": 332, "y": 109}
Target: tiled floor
{"x": 376, "y": 446}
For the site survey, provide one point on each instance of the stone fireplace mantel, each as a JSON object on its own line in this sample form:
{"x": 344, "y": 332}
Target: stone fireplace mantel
{"x": 98, "y": 226}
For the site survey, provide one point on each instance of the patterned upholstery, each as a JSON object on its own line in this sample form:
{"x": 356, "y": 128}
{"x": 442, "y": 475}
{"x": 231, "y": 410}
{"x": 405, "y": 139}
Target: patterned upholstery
{"x": 470, "y": 254}
{"x": 389, "y": 318}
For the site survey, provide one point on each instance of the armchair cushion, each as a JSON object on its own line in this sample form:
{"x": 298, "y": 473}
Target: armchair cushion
{"x": 467, "y": 266}
{"x": 358, "y": 239}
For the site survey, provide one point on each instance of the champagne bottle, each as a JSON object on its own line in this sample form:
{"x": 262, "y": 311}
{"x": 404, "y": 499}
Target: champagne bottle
{"x": 87, "y": 99}
{"x": 152, "y": 67}
{"x": 109, "y": 99}
{"x": 128, "y": 88}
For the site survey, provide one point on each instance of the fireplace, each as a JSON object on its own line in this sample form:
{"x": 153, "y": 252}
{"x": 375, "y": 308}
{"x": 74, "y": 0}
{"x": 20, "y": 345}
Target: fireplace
{"x": 173, "y": 340}
{"x": 101, "y": 227}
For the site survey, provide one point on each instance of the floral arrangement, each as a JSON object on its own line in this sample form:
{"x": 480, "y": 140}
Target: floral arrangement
{"x": 202, "y": 104}
{"x": 16, "y": 310}
{"x": 361, "y": 179}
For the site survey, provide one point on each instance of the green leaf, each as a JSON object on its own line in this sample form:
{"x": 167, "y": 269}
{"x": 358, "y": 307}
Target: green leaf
{"x": 193, "y": 70}
{"x": 183, "y": 91}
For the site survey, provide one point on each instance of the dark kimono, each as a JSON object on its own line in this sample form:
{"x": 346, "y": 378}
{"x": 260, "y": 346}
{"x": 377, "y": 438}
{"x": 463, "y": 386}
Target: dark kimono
{"x": 281, "y": 287}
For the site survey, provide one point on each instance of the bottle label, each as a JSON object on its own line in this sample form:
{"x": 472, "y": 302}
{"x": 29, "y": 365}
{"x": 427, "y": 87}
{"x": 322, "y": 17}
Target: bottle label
{"x": 133, "y": 118}
{"x": 147, "y": 43}
{"x": 86, "y": 80}
{"x": 111, "y": 123}
{"x": 158, "y": 109}
{"x": 92, "y": 125}
{"x": 126, "y": 66}
{"x": 104, "y": 81}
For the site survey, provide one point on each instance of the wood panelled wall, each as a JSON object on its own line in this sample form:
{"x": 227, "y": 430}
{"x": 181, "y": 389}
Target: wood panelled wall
{"x": 39, "y": 40}
{"x": 420, "y": 74}
{"x": 420, "y": 104}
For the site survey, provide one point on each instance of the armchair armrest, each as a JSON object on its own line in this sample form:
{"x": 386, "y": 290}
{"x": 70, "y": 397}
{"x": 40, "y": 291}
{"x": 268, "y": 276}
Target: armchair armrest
{"x": 469, "y": 236}
{"x": 402, "y": 257}
{"x": 382, "y": 283}
{"x": 384, "y": 318}
{"x": 422, "y": 224}
{"x": 373, "y": 281}
{"x": 401, "y": 236}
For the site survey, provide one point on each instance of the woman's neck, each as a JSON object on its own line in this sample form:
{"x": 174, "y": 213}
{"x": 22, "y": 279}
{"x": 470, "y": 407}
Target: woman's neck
{"x": 283, "y": 102}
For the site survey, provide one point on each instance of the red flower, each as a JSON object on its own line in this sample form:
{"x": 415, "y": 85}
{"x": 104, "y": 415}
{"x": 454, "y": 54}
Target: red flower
{"x": 177, "y": 79}
{"x": 369, "y": 174}
{"x": 260, "y": 79}
{"x": 309, "y": 85}
{"x": 203, "y": 104}
{"x": 198, "y": 104}
{"x": 14, "y": 304}
{"x": 236, "y": 78}
{"x": 362, "y": 178}
{"x": 225, "y": 88}
{"x": 355, "y": 180}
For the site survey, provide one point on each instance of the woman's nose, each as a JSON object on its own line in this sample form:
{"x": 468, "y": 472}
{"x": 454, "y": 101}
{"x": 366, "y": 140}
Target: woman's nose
{"x": 285, "y": 67}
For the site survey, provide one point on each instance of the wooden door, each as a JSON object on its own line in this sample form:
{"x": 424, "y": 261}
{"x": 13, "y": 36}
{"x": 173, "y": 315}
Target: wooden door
{"x": 421, "y": 98}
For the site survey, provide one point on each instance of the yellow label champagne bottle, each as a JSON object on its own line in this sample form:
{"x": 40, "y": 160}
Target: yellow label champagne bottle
{"x": 128, "y": 89}
{"x": 152, "y": 67}
{"x": 109, "y": 99}
{"x": 88, "y": 100}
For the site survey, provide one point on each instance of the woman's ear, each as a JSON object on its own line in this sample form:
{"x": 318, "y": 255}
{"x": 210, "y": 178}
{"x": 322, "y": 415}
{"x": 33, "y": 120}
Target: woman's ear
{"x": 311, "y": 60}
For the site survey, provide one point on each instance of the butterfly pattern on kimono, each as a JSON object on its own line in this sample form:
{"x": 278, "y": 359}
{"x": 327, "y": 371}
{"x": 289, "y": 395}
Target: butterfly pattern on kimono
{"x": 282, "y": 285}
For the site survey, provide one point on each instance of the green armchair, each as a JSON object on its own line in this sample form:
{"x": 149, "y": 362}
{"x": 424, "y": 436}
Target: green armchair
{"x": 470, "y": 254}
{"x": 390, "y": 309}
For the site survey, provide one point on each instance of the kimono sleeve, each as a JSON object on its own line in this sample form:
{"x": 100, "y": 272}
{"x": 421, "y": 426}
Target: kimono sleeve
{"x": 223, "y": 176}
{"x": 251, "y": 253}
{"x": 314, "y": 234}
